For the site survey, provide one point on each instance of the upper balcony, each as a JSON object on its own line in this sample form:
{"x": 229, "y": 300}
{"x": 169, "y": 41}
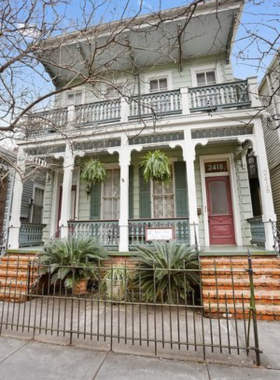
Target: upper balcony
{"x": 184, "y": 101}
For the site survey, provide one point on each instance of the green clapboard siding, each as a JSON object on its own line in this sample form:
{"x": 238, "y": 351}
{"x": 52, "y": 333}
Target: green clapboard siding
{"x": 145, "y": 196}
{"x": 95, "y": 199}
{"x": 182, "y": 208}
{"x": 130, "y": 192}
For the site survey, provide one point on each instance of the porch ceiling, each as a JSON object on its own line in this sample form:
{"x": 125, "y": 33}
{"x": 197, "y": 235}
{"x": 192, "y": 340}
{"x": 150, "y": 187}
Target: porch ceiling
{"x": 146, "y": 44}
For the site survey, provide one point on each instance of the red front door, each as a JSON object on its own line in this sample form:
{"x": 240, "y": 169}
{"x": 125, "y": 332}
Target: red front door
{"x": 220, "y": 216}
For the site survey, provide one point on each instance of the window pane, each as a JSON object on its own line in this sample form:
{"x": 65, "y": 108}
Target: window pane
{"x": 163, "y": 84}
{"x": 201, "y": 79}
{"x": 211, "y": 77}
{"x": 153, "y": 85}
{"x": 219, "y": 200}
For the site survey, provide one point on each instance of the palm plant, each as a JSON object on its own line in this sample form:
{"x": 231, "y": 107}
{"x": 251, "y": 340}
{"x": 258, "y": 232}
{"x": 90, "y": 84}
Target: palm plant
{"x": 72, "y": 260}
{"x": 166, "y": 271}
{"x": 93, "y": 171}
{"x": 156, "y": 166}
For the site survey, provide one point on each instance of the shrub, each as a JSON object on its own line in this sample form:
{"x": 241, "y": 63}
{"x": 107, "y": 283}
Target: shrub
{"x": 166, "y": 271}
{"x": 72, "y": 260}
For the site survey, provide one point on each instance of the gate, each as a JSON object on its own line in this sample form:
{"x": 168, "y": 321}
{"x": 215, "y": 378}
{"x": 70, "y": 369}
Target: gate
{"x": 117, "y": 308}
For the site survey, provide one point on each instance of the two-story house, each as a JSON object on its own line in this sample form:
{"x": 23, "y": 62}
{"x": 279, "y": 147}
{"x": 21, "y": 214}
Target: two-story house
{"x": 157, "y": 82}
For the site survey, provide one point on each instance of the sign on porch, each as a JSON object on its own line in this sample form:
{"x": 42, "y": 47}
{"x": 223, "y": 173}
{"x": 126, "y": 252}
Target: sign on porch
{"x": 160, "y": 233}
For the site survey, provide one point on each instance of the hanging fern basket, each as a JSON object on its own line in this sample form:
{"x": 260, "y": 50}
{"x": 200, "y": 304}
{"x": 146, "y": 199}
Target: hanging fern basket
{"x": 93, "y": 171}
{"x": 156, "y": 166}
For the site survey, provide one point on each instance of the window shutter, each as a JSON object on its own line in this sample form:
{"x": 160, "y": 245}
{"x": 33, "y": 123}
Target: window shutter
{"x": 182, "y": 208}
{"x": 130, "y": 192}
{"x": 95, "y": 198}
{"x": 145, "y": 196}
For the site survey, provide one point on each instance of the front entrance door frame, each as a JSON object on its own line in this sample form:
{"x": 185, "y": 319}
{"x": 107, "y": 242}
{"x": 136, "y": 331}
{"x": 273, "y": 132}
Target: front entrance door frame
{"x": 234, "y": 195}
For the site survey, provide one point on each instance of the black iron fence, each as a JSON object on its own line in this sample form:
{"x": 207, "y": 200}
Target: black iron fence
{"x": 162, "y": 310}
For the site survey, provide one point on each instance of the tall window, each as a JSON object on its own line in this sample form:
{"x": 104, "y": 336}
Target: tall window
{"x": 163, "y": 199}
{"x": 206, "y": 78}
{"x": 111, "y": 195}
{"x": 37, "y": 213}
{"x": 158, "y": 85}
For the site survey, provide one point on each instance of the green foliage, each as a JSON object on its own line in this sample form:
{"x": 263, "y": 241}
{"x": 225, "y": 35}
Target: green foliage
{"x": 156, "y": 166}
{"x": 72, "y": 260}
{"x": 93, "y": 171}
{"x": 166, "y": 271}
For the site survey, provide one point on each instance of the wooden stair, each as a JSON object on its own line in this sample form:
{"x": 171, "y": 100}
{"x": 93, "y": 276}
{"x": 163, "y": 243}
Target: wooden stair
{"x": 226, "y": 286}
{"x": 18, "y": 273}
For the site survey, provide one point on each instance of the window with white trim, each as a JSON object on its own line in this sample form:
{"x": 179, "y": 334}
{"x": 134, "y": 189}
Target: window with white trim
{"x": 158, "y": 84}
{"x": 74, "y": 97}
{"x": 206, "y": 78}
{"x": 38, "y": 202}
{"x": 114, "y": 91}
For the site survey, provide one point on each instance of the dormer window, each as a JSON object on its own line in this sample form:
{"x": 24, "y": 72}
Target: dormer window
{"x": 159, "y": 84}
{"x": 74, "y": 97}
{"x": 206, "y": 78}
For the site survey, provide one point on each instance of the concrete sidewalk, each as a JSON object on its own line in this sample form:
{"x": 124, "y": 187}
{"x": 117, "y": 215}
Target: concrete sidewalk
{"x": 32, "y": 360}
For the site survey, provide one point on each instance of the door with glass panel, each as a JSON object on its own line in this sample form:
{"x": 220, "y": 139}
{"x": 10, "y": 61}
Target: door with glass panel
{"x": 220, "y": 214}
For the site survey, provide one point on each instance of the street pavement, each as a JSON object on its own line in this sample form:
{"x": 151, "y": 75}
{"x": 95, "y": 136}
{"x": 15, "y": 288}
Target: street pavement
{"x": 28, "y": 359}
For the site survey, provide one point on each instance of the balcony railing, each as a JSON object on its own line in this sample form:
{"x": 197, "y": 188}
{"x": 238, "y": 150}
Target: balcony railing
{"x": 257, "y": 231}
{"x": 163, "y": 104}
{"x": 159, "y": 103}
{"x": 107, "y": 232}
{"x": 107, "y": 111}
{"x": 31, "y": 234}
{"x": 226, "y": 95}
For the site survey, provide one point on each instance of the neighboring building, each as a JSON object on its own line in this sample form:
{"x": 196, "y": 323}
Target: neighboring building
{"x": 170, "y": 88}
{"x": 7, "y": 175}
{"x": 269, "y": 91}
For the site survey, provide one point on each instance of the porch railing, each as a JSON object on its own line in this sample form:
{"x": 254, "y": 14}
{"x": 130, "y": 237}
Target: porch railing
{"x": 137, "y": 229}
{"x": 257, "y": 231}
{"x": 31, "y": 234}
{"x": 105, "y": 231}
{"x": 226, "y": 95}
{"x": 107, "y": 111}
{"x": 159, "y": 103}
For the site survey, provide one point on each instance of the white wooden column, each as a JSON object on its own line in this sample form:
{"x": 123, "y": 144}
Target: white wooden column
{"x": 68, "y": 167}
{"x": 189, "y": 157}
{"x": 265, "y": 186}
{"x": 14, "y": 225}
{"x": 124, "y": 152}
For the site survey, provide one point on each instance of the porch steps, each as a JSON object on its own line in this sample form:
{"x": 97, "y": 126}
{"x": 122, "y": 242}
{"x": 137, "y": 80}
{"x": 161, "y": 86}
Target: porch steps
{"x": 18, "y": 272}
{"x": 226, "y": 286}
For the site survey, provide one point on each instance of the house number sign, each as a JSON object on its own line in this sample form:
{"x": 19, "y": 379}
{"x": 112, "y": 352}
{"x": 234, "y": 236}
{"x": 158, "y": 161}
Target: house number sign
{"x": 216, "y": 167}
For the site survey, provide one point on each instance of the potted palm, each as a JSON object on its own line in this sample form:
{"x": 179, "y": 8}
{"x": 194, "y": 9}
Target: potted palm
{"x": 73, "y": 261}
{"x": 156, "y": 166}
{"x": 93, "y": 171}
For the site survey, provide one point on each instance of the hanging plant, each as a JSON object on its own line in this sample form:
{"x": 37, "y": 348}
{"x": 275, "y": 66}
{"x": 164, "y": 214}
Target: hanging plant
{"x": 156, "y": 166}
{"x": 93, "y": 171}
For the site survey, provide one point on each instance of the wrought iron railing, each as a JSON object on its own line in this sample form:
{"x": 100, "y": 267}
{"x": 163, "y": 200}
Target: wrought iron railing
{"x": 257, "y": 231}
{"x": 225, "y": 95}
{"x": 105, "y": 231}
{"x": 276, "y": 237}
{"x": 31, "y": 234}
{"x": 107, "y": 111}
{"x": 158, "y": 103}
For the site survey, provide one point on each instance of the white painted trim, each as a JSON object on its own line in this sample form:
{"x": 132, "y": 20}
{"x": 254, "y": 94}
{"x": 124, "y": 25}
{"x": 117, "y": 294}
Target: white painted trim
{"x": 158, "y": 75}
{"x": 78, "y": 170}
{"x": 202, "y": 68}
{"x": 75, "y": 90}
{"x": 234, "y": 195}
